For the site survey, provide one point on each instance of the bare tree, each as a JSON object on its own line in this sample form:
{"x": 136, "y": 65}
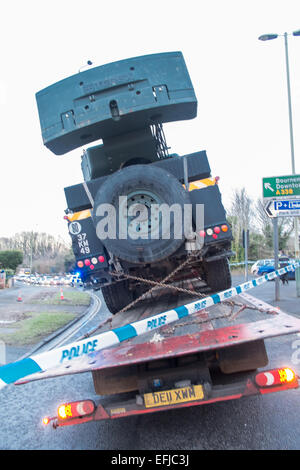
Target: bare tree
{"x": 244, "y": 214}
{"x": 240, "y": 216}
{"x": 37, "y": 248}
{"x": 265, "y": 226}
{"x": 242, "y": 208}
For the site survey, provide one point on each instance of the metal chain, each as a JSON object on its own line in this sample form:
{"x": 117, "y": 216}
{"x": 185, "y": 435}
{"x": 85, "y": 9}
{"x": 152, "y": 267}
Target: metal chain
{"x": 162, "y": 283}
{"x": 194, "y": 293}
{"x": 157, "y": 284}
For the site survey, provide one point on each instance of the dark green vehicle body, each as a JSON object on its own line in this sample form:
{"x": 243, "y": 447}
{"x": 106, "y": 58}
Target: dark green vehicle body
{"x": 125, "y": 104}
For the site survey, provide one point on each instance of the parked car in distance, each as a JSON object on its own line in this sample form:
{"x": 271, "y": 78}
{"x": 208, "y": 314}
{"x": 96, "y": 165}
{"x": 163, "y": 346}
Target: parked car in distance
{"x": 55, "y": 281}
{"x": 259, "y": 263}
{"x": 47, "y": 280}
{"x": 269, "y": 266}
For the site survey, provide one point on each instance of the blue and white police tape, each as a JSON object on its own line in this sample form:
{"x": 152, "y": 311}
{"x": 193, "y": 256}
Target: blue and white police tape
{"x": 241, "y": 263}
{"x": 10, "y": 373}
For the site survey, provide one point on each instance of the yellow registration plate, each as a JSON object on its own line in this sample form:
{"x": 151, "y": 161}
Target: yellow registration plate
{"x": 173, "y": 397}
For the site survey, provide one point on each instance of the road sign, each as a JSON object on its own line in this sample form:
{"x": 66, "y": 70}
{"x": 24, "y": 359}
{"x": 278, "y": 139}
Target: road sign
{"x": 278, "y": 187}
{"x": 283, "y": 208}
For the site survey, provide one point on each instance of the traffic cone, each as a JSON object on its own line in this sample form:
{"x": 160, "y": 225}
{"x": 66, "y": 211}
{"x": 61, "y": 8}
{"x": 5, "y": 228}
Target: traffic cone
{"x": 61, "y": 294}
{"x": 19, "y": 299}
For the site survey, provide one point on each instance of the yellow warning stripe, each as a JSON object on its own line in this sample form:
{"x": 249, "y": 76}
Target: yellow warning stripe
{"x": 202, "y": 183}
{"x": 194, "y": 185}
{"x": 79, "y": 215}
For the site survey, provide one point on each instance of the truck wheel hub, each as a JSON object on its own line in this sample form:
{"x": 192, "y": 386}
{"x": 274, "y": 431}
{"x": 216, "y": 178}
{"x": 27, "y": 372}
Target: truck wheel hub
{"x": 140, "y": 213}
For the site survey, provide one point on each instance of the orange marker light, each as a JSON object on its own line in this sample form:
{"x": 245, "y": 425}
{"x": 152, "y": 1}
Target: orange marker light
{"x": 286, "y": 375}
{"x": 75, "y": 409}
{"x": 64, "y": 411}
{"x": 224, "y": 228}
{"x": 46, "y": 420}
{"x": 273, "y": 377}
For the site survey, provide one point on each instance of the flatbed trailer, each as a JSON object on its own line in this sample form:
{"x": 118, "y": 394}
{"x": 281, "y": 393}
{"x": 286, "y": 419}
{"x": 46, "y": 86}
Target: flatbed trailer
{"x": 216, "y": 354}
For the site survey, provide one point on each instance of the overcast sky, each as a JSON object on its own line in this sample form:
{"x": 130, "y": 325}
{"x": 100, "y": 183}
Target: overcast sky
{"x": 240, "y": 84}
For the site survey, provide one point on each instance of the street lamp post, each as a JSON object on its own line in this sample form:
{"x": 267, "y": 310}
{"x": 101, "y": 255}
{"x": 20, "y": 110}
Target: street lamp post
{"x": 268, "y": 37}
{"x": 290, "y": 101}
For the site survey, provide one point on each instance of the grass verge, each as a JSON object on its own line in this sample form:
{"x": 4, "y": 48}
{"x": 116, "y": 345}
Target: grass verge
{"x": 70, "y": 297}
{"x": 36, "y": 327}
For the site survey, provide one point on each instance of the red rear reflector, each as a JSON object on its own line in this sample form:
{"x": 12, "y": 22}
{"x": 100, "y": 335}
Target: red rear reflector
{"x": 275, "y": 377}
{"x": 215, "y": 236}
{"x": 80, "y": 264}
{"x": 224, "y": 228}
{"x": 92, "y": 266}
{"x": 87, "y": 262}
{"x": 101, "y": 259}
{"x": 76, "y": 409}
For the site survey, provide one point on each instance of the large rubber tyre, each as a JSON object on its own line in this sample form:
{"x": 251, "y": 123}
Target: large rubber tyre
{"x": 148, "y": 187}
{"x": 217, "y": 275}
{"x": 117, "y": 296}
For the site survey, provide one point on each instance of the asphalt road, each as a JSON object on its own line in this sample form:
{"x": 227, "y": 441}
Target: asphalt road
{"x": 270, "y": 422}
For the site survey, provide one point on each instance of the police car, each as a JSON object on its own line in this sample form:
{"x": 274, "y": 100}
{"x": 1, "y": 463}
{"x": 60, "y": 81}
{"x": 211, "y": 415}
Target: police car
{"x": 76, "y": 281}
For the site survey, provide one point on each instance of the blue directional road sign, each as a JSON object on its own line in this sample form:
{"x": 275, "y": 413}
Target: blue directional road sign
{"x": 287, "y": 205}
{"x": 283, "y": 208}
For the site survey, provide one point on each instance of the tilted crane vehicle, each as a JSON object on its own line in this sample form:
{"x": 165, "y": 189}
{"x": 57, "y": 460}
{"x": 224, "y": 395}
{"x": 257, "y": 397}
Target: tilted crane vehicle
{"x": 157, "y": 222}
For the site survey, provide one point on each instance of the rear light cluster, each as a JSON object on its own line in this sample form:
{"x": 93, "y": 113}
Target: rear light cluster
{"x": 90, "y": 262}
{"x": 275, "y": 377}
{"x": 214, "y": 231}
{"x": 76, "y": 409}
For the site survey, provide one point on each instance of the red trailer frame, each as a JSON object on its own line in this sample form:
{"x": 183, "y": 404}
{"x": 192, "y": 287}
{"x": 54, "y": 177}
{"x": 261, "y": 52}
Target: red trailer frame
{"x": 173, "y": 347}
